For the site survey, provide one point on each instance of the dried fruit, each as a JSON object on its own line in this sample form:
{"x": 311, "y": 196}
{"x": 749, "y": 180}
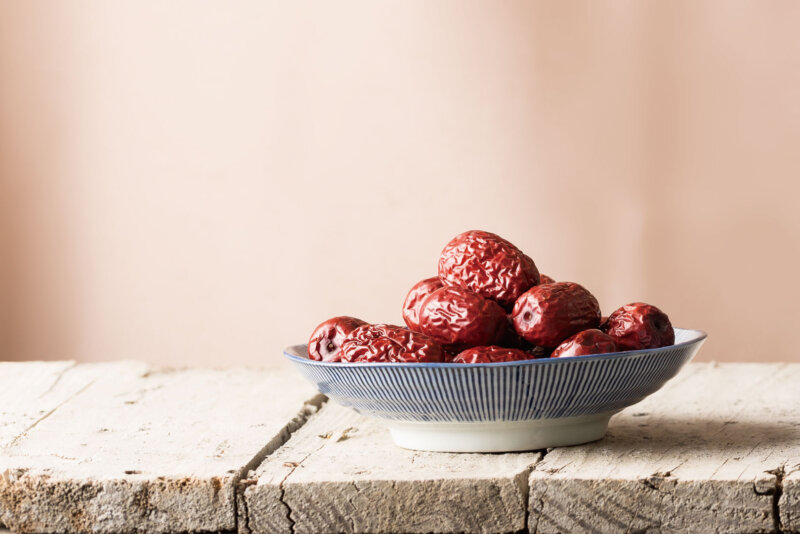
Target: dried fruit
{"x": 511, "y": 339}
{"x": 640, "y": 326}
{"x": 389, "y": 343}
{"x": 544, "y": 279}
{"x": 546, "y": 315}
{"x": 326, "y": 340}
{"x": 592, "y": 341}
{"x": 414, "y": 299}
{"x": 459, "y": 318}
{"x": 488, "y": 265}
{"x": 490, "y": 303}
{"x": 491, "y": 354}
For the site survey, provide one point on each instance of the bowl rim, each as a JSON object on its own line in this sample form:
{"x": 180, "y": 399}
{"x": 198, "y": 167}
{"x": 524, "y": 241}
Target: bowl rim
{"x": 697, "y": 337}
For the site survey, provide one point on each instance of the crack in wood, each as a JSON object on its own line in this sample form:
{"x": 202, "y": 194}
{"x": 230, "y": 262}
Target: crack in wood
{"x": 58, "y": 378}
{"x": 25, "y": 432}
{"x": 735, "y": 433}
{"x": 531, "y": 469}
{"x": 776, "y": 498}
{"x": 282, "y": 489}
{"x": 241, "y": 479}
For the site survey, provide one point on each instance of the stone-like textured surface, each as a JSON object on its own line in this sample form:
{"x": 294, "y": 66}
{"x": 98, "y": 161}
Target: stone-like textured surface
{"x": 705, "y": 454}
{"x": 128, "y": 448}
{"x": 341, "y": 473}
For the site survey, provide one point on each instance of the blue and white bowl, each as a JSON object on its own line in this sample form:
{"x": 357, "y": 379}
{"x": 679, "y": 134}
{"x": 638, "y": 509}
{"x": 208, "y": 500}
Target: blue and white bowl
{"x": 495, "y": 407}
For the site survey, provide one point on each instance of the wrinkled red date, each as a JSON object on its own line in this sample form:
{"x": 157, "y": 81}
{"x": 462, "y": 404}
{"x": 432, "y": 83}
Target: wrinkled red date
{"x": 326, "y": 340}
{"x": 511, "y": 339}
{"x": 414, "y": 299}
{"x": 491, "y": 354}
{"x": 458, "y": 318}
{"x": 544, "y": 279}
{"x": 389, "y": 343}
{"x": 489, "y": 265}
{"x": 546, "y": 315}
{"x": 640, "y": 326}
{"x": 592, "y": 341}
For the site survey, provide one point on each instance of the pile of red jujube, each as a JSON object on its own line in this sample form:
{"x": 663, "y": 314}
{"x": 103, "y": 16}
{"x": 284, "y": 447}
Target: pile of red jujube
{"x": 490, "y": 304}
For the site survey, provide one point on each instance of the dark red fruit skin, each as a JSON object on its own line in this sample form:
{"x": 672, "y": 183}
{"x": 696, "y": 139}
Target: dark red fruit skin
{"x": 511, "y": 339}
{"x": 539, "y": 352}
{"x": 389, "y": 343}
{"x": 449, "y": 354}
{"x": 491, "y": 354}
{"x": 603, "y": 323}
{"x": 639, "y": 326}
{"x": 544, "y": 279}
{"x": 459, "y": 319}
{"x": 414, "y": 299}
{"x": 546, "y": 315}
{"x": 326, "y": 340}
{"x": 488, "y": 265}
{"x": 591, "y": 341}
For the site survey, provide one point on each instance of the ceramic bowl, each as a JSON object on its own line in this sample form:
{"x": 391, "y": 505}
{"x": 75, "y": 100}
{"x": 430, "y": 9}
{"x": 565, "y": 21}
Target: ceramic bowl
{"x": 496, "y": 407}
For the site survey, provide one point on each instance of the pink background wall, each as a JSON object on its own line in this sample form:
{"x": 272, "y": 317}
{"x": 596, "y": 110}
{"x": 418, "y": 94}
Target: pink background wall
{"x": 203, "y": 182}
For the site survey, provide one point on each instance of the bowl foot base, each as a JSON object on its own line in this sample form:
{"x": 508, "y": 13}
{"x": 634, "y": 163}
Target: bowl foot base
{"x": 500, "y": 436}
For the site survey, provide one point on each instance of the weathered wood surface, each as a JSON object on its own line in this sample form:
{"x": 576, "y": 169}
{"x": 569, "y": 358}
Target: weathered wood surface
{"x": 709, "y": 453}
{"x": 789, "y": 502}
{"x": 124, "y": 447}
{"x": 30, "y": 392}
{"x": 341, "y": 473}
{"x": 715, "y": 451}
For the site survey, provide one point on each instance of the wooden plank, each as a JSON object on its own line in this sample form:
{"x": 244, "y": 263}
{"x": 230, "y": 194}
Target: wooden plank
{"x": 704, "y": 455}
{"x": 342, "y": 473}
{"x": 789, "y": 502}
{"x": 120, "y": 447}
{"x": 30, "y": 391}
{"x": 143, "y": 449}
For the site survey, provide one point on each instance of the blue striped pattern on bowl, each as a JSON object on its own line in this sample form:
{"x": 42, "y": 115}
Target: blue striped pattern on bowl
{"x": 508, "y": 391}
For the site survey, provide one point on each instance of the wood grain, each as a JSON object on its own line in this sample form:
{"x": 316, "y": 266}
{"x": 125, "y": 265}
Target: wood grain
{"x": 342, "y": 473}
{"x": 705, "y": 454}
{"x": 140, "y": 449}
